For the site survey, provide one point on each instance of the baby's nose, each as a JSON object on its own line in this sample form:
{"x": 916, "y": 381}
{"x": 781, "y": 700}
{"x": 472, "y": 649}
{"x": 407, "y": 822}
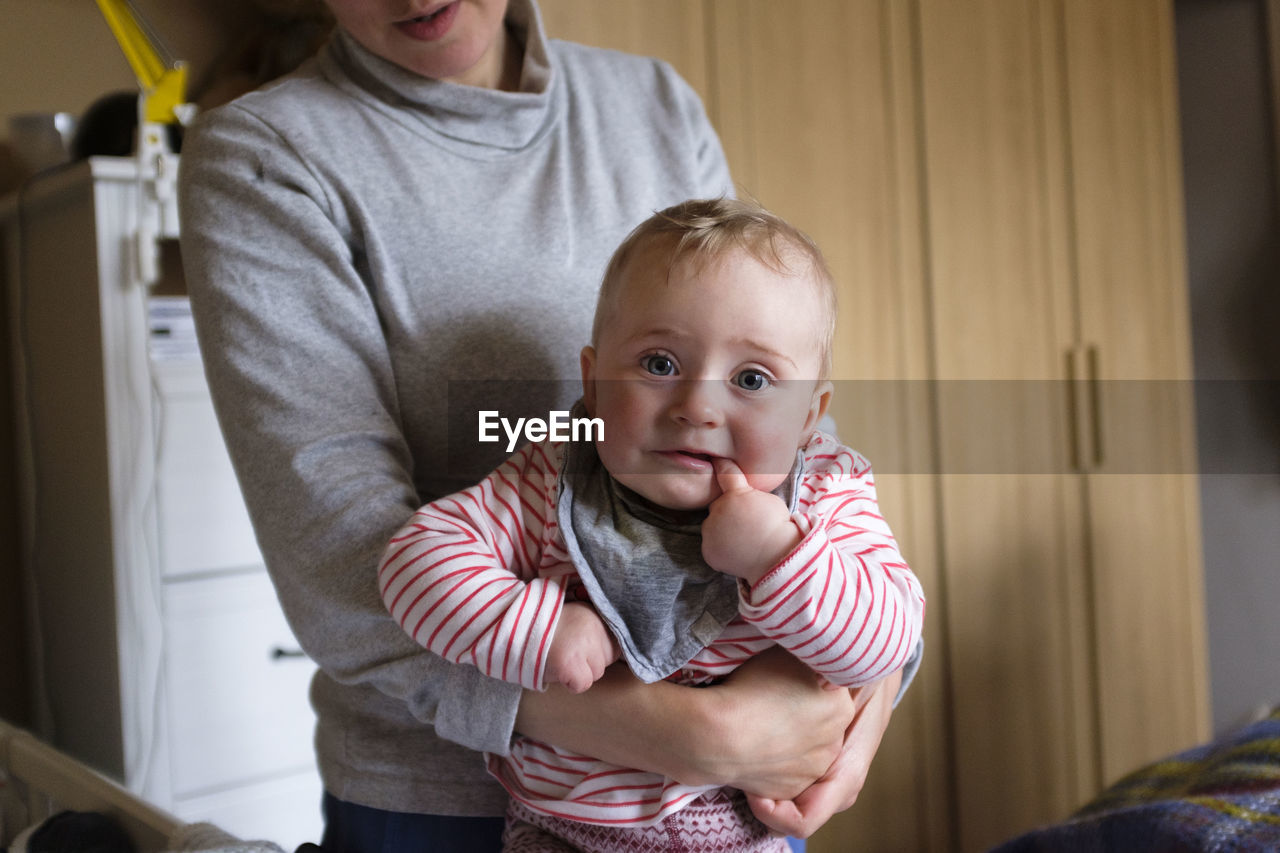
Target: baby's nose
{"x": 697, "y": 403}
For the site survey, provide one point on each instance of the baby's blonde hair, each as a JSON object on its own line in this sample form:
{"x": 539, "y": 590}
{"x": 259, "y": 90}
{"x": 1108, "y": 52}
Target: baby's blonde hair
{"x": 706, "y": 229}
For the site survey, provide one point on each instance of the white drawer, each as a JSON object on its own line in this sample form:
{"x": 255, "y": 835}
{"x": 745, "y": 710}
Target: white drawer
{"x": 203, "y": 523}
{"x": 238, "y": 712}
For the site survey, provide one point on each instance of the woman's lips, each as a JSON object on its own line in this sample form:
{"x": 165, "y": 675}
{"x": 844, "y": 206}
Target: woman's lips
{"x": 433, "y": 26}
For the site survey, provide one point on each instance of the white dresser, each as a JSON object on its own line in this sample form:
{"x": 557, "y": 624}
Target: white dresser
{"x": 162, "y": 655}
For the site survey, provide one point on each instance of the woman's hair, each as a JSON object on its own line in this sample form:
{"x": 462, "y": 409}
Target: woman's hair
{"x": 708, "y": 229}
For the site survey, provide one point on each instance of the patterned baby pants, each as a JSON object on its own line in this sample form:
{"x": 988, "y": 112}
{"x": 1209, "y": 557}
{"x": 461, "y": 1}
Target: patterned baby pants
{"x": 717, "y": 822}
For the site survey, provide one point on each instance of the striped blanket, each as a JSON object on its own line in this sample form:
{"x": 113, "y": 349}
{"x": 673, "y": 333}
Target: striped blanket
{"x": 1222, "y": 796}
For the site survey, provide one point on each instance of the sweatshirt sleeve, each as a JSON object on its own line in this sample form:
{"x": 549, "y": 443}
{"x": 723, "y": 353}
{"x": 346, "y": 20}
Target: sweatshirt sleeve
{"x": 305, "y": 394}
{"x": 844, "y": 601}
{"x": 462, "y": 576}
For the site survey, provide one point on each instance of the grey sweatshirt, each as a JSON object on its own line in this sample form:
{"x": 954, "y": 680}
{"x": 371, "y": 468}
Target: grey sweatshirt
{"x": 364, "y": 250}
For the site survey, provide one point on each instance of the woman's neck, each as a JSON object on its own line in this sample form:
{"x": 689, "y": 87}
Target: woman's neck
{"x": 500, "y": 67}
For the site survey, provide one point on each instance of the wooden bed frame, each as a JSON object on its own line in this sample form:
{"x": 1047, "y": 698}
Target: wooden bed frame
{"x": 37, "y": 781}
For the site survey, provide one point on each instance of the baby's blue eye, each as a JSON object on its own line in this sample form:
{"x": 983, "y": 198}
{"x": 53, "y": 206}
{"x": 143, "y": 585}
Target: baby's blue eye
{"x": 751, "y": 380}
{"x": 658, "y": 365}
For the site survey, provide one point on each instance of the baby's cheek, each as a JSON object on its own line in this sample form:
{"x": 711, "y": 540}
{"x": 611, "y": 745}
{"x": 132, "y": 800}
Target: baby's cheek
{"x": 769, "y": 460}
{"x": 767, "y": 480}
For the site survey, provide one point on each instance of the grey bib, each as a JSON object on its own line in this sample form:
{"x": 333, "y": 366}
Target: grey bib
{"x": 642, "y": 565}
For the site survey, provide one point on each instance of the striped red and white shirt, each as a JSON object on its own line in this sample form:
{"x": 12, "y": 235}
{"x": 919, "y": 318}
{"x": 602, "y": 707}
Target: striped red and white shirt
{"x": 480, "y": 577}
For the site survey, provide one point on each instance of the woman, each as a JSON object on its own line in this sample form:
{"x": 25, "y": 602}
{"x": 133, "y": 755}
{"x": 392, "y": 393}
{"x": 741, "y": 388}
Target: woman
{"x": 411, "y": 224}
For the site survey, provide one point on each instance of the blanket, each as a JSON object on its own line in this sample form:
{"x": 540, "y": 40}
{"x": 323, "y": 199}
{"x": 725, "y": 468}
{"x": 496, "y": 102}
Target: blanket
{"x": 1223, "y": 796}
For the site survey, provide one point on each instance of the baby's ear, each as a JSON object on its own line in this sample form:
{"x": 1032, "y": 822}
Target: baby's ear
{"x": 587, "y": 361}
{"x": 818, "y": 405}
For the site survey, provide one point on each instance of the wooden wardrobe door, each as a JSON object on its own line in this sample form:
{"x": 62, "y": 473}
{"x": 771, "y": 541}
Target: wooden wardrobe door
{"x": 1016, "y": 592}
{"x": 1135, "y": 332}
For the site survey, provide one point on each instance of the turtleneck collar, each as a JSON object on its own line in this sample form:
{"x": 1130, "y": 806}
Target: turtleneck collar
{"x": 476, "y": 120}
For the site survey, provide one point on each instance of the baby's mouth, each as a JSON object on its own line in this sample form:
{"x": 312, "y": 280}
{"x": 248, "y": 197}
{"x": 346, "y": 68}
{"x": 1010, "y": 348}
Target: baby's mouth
{"x": 691, "y": 459}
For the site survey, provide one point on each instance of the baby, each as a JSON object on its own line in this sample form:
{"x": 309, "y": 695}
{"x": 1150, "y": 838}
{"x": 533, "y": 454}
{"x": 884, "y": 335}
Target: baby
{"x": 708, "y": 523}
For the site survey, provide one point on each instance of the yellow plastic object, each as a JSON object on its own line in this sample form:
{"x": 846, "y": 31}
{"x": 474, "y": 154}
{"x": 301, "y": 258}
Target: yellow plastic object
{"x": 164, "y": 83}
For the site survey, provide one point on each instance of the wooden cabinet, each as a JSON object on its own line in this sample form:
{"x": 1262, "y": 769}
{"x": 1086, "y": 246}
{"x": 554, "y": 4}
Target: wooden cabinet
{"x": 163, "y": 657}
{"x": 1126, "y": 169}
{"x": 1018, "y": 627}
{"x": 1051, "y": 158}
{"x": 996, "y": 184}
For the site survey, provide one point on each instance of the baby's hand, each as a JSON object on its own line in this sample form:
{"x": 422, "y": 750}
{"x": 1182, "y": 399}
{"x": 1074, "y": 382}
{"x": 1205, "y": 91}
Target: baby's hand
{"x": 581, "y": 648}
{"x": 747, "y": 531}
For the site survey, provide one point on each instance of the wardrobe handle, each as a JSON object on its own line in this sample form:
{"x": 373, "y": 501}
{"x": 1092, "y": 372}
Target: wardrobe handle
{"x": 1074, "y": 412}
{"x": 279, "y": 653}
{"x": 1093, "y": 362}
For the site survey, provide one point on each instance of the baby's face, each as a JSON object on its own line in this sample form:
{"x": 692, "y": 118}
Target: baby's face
{"x": 722, "y": 361}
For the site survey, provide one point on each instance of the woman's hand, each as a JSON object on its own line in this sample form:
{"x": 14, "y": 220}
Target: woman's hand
{"x": 840, "y": 786}
{"x": 770, "y": 729}
{"x": 783, "y": 726}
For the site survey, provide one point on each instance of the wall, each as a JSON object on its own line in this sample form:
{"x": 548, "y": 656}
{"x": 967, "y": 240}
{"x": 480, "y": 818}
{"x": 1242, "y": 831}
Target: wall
{"x": 60, "y": 54}
{"x": 13, "y": 682}
{"x": 1234, "y": 270}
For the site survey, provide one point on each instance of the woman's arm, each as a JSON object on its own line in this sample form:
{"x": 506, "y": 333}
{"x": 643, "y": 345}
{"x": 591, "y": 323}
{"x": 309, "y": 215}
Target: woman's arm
{"x": 303, "y": 382}
{"x": 770, "y": 728}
